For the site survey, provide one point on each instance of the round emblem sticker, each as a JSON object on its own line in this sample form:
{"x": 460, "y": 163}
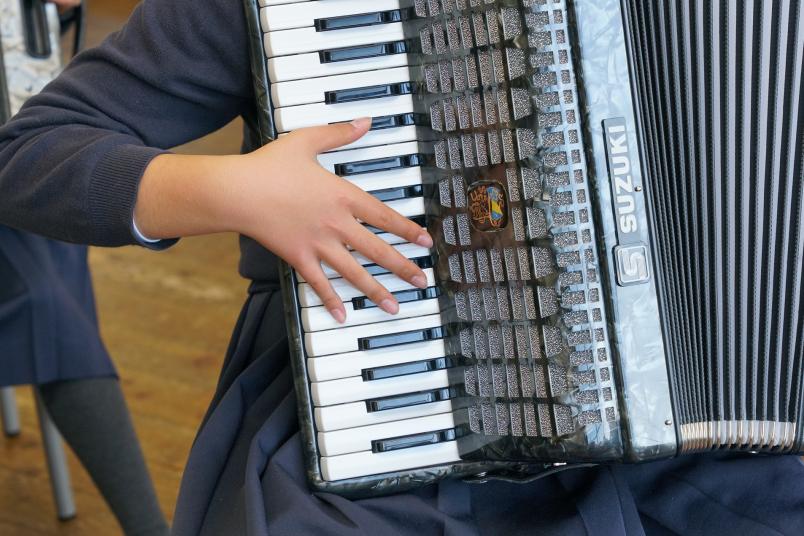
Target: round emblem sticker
{"x": 488, "y": 206}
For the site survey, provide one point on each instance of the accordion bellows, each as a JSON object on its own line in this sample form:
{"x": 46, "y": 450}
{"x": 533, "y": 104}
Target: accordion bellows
{"x": 719, "y": 93}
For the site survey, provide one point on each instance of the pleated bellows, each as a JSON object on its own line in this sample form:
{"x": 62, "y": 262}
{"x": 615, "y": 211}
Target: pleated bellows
{"x": 720, "y": 99}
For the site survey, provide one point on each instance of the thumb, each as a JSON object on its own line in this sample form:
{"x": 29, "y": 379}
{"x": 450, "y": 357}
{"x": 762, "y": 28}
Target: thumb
{"x": 328, "y": 137}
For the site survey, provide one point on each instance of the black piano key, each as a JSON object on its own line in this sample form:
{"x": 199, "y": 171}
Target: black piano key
{"x": 394, "y": 121}
{"x": 418, "y": 220}
{"x": 415, "y": 440}
{"x": 363, "y": 51}
{"x": 365, "y": 93}
{"x": 349, "y": 169}
{"x": 395, "y": 339}
{"x": 362, "y": 19}
{"x": 403, "y": 296}
{"x": 405, "y": 369}
{"x": 395, "y": 194}
{"x": 409, "y": 399}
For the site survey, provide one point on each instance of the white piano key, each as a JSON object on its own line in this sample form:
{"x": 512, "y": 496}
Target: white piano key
{"x": 328, "y": 160}
{"x": 359, "y": 439}
{"x": 355, "y": 414}
{"x": 385, "y": 136}
{"x": 319, "y": 319}
{"x": 338, "y": 341}
{"x": 304, "y": 40}
{"x": 308, "y": 91}
{"x": 383, "y": 180}
{"x": 356, "y": 388}
{"x": 368, "y": 463}
{"x": 334, "y": 367}
{"x": 291, "y": 118}
{"x": 308, "y": 297}
{"x": 407, "y": 250}
{"x": 308, "y": 66}
{"x": 300, "y": 15}
{"x": 390, "y": 239}
{"x": 409, "y": 208}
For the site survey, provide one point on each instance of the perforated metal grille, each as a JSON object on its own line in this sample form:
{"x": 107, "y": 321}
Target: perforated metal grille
{"x": 502, "y": 102}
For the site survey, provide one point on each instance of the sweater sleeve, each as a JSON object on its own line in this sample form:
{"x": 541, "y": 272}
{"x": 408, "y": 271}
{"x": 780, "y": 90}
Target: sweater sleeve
{"x": 72, "y": 159}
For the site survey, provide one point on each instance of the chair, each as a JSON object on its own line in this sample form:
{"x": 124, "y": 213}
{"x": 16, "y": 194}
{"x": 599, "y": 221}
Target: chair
{"x": 54, "y": 449}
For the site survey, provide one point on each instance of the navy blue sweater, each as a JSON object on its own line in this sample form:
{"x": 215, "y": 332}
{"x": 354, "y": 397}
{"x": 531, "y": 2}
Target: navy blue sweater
{"x": 72, "y": 159}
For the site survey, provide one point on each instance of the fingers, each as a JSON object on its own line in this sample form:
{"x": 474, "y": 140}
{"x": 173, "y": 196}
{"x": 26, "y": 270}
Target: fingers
{"x": 342, "y": 262}
{"x": 314, "y": 275}
{"x": 328, "y": 137}
{"x": 379, "y": 251}
{"x": 376, "y": 213}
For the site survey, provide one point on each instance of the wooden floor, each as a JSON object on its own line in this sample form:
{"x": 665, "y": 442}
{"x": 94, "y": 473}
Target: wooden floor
{"x": 166, "y": 318}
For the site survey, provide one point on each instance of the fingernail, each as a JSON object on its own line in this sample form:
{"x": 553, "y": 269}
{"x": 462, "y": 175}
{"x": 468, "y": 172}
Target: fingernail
{"x": 361, "y": 123}
{"x": 339, "y": 315}
{"x": 389, "y": 306}
{"x": 424, "y": 240}
{"x": 419, "y": 281}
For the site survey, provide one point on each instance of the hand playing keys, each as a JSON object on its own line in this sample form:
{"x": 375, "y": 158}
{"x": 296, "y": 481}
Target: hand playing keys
{"x": 314, "y": 216}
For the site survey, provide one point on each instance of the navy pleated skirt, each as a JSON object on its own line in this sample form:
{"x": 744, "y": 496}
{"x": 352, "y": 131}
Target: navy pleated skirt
{"x": 245, "y": 475}
{"x": 48, "y": 324}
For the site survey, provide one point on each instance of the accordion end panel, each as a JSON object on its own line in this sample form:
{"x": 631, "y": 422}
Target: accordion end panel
{"x": 614, "y": 151}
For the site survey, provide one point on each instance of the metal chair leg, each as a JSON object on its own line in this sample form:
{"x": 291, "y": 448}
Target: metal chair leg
{"x": 56, "y": 462}
{"x": 8, "y": 408}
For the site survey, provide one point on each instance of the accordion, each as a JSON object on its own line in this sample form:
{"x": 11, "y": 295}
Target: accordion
{"x": 615, "y": 190}
{"x": 30, "y": 54}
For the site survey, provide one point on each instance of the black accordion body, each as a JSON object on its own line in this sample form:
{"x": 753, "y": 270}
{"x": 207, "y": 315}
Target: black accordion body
{"x": 615, "y": 191}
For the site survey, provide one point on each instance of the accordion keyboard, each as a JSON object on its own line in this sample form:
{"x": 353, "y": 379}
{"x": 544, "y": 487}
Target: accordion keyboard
{"x": 377, "y": 381}
{"x": 398, "y": 393}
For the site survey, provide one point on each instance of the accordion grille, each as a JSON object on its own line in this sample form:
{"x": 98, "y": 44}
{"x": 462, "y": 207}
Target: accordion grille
{"x": 719, "y": 86}
{"x": 525, "y": 300}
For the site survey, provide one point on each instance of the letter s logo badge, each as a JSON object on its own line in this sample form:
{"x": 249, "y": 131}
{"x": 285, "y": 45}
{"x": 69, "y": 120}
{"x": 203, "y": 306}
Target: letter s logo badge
{"x": 633, "y": 265}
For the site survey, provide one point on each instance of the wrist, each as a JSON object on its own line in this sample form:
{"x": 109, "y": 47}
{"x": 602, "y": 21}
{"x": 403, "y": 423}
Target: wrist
{"x": 186, "y": 195}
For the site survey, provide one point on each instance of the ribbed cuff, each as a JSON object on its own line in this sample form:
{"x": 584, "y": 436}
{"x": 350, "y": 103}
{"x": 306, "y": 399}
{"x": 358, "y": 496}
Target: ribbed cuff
{"x": 113, "y": 193}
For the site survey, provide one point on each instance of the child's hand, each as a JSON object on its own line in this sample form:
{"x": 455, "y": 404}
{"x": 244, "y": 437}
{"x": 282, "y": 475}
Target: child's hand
{"x": 307, "y": 216}
{"x": 280, "y": 196}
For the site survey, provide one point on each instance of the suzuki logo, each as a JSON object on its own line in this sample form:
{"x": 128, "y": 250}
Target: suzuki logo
{"x": 631, "y": 256}
{"x": 632, "y": 265}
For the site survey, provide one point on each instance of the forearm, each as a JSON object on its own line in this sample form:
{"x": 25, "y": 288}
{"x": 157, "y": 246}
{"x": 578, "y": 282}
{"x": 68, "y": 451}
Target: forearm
{"x": 72, "y": 160}
{"x": 70, "y": 183}
{"x": 187, "y": 195}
